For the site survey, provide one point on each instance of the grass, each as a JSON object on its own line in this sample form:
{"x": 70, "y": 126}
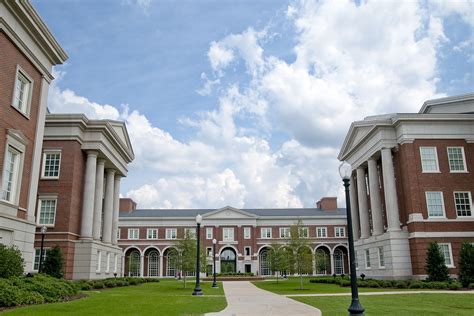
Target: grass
{"x": 292, "y": 285}
{"x": 164, "y": 298}
{"x": 406, "y": 305}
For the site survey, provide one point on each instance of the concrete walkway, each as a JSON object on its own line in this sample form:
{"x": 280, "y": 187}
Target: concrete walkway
{"x": 245, "y": 299}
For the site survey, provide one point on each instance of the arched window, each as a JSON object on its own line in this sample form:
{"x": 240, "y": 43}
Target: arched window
{"x": 228, "y": 260}
{"x": 321, "y": 260}
{"x": 153, "y": 263}
{"x": 170, "y": 256}
{"x": 338, "y": 262}
{"x": 134, "y": 263}
{"x": 264, "y": 260}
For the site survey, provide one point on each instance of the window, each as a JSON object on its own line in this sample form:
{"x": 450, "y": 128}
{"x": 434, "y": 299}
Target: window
{"x": 435, "y": 204}
{"x": 367, "y": 258}
{"x": 463, "y": 203}
{"x": 322, "y": 232}
{"x": 457, "y": 162}
{"x": 381, "y": 258}
{"x": 447, "y": 253}
{"x": 51, "y": 164}
{"x": 247, "y": 251}
{"x": 304, "y": 232}
{"x": 152, "y": 233}
{"x": 284, "y": 232}
{"x": 47, "y": 212}
{"x": 11, "y": 172}
{"x": 266, "y": 233}
{"x": 356, "y": 259}
{"x": 209, "y": 252}
{"x": 107, "y": 265}
{"x": 228, "y": 234}
{"x": 429, "y": 159}
{"x": 118, "y": 233}
{"x": 246, "y": 232}
{"x": 339, "y": 232}
{"x": 191, "y": 232}
{"x": 133, "y": 233}
{"x": 99, "y": 261}
{"x": 115, "y": 263}
{"x": 171, "y": 233}
{"x": 209, "y": 233}
{"x": 37, "y": 258}
{"x": 22, "y": 93}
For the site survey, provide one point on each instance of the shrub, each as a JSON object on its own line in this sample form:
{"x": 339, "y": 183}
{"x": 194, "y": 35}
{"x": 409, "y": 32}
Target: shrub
{"x": 85, "y": 285}
{"x": 8, "y": 294}
{"x": 416, "y": 285}
{"x": 110, "y": 283}
{"x": 435, "y": 264}
{"x": 29, "y": 298}
{"x": 387, "y": 283}
{"x": 373, "y": 283}
{"x": 11, "y": 262}
{"x": 401, "y": 284}
{"x": 53, "y": 264}
{"x": 471, "y": 286}
{"x": 98, "y": 285}
{"x": 440, "y": 285}
{"x": 466, "y": 264}
{"x": 53, "y": 290}
{"x": 345, "y": 283}
{"x": 455, "y": 286}
{"x": 361, "y": 283}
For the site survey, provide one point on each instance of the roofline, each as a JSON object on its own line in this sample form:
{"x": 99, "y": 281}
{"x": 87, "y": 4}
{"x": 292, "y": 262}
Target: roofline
{"x": 453, "y": 99}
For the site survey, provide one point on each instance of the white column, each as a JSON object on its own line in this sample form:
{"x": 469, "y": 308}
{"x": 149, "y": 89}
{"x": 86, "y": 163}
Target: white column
{"x": 161, "y": 266}
{"x": 123, "y": 265}
{"x": 115, "y": 216}
{"x": 354, "y": 209}
{"x": 390, "y": 190}
{"x": 88, "y": 197}
{"x": 99, "y": 191}
{"x": 375, "y": 202}
{"x": 363, "y": 207}
{"x": 142, "y": 263}
{"x": 331, "y": 255}
{"x": 108, "y": 205}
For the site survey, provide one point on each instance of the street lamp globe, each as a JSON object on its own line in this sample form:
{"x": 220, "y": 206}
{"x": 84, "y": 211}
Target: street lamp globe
{"x": 199, "y": 219}
{"x": 44, "y": 229}
{"x": 214, "y": 241}
{"x": 345, "y": 170}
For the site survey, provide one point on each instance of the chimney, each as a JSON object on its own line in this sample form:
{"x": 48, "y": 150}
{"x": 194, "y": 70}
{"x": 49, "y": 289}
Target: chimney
{"x": 327, "y": 204}
{"x": 127, "y": 205}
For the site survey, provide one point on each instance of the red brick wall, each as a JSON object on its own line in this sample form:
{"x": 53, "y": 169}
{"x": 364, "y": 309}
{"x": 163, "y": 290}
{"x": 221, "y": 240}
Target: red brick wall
{"x": 10, "y": 57}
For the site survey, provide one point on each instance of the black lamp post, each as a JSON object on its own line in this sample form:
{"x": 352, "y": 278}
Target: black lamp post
{"x": 214, "y": 241}
{"x": 197, "y": 288}
{"x": 43, "y": 232}
{"x": 345, "y": 170}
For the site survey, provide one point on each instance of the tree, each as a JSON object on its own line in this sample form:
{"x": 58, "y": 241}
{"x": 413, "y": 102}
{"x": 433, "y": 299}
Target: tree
{"x": 53, "y": 264}
{"x": 185, "y": 255}
{"x": 321, "y": 261}
{"x": 435, "y": 264}
{"x": 278, "y": 259}
{"x": 466, "y": 264}
{"x": 301, "y": 259}
{"x": 11, "y": 262}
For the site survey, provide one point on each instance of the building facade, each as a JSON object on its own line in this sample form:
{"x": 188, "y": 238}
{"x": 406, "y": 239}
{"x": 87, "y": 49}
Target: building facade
{"x": 412, "y": 185}
{"x": 28, "y": 51}
{"x": 83, "y": 162}
{"x": 243, "y": 236}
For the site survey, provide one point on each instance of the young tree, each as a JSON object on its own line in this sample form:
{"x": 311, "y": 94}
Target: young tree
{"x": 185, "y": 256}
{"x": 11, "y": 262}
{"x": 466, "y": 264}
{"x": 301, "y": 259}
{"x": 278, "y": 259}
{"x": 435, "y": 264}
{"x": 321, "y": 261}
{"x": 53, "y": 264}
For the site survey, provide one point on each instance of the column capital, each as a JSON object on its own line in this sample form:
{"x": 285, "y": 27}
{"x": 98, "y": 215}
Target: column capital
{"x": 110, "y": 171}
{"x": 101, "y": 161}
{"x": 92, "y": 153}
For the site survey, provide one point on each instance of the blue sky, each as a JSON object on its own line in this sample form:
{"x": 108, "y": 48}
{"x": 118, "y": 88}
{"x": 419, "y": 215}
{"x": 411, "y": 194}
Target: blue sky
{"x": 246, "y": 103}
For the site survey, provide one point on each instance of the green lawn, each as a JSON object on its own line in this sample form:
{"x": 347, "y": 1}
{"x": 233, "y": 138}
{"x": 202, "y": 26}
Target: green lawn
{"x": 406, "y": 305}
{"x": 164, "y": 298}
{"x": 292, "y": 285}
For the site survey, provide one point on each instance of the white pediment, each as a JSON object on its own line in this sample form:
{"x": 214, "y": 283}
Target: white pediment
{"x": 228, "y": 212}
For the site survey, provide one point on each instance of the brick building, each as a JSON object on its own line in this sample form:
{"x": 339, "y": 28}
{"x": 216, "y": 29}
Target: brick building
{"x": 412, "y": 185}
{"x": 28, "y": 51}
{"x": 243, "y": 236}
{"x": 83, "y": 162}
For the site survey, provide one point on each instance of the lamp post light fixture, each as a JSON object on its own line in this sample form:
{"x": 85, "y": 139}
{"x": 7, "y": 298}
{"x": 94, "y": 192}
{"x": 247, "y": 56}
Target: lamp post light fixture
{"x": 43, "y": 232}
{"x": 214, "y": 242}
{"x": 197, "y": 288}
{"x": 345, "y": 170}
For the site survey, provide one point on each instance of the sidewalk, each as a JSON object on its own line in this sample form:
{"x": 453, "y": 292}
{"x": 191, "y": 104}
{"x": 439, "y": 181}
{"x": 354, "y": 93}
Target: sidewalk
{"x": 245, "y": 299}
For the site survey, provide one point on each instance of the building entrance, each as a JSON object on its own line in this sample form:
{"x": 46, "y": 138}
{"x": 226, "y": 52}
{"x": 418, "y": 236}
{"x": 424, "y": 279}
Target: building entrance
{"x": 228, "y": 261}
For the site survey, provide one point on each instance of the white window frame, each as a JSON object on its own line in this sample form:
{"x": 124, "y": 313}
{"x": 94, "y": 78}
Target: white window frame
{"x": 99, "y": 261}
{"x": 268, "y": 233}
{"x": 192, "y": 232}
{"x": 228, "y": 233}
{"x": 41, "y": 199}
{"x": 171, "y": 233}
{"x": 368, "y": 264}
{"x": 26, "y": 106}
{"x": 131, "y": 233}
{"x": 250, "y": 251}
{"x": 45, "y": 250}
{"x": 338, "y": 230}
{"x": 107, "y": 265}
{"x": 209, "y": 233}
{"x": 463, "y": 160}
{"x": 381, "y": 257}
{"x": 442, "y": 203}
{"x": 470, "y": 204}
{"x": 16, "y": 144}
{"x": 153, "y": 231}
{"x": 441, "y": 244}
{"x": 247, "y": 233}
{"x": 436, "y": 158}
{"x": 319, "y": 231}
{"x": 285, "y": 231}
{"x": 43, "y": 167}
